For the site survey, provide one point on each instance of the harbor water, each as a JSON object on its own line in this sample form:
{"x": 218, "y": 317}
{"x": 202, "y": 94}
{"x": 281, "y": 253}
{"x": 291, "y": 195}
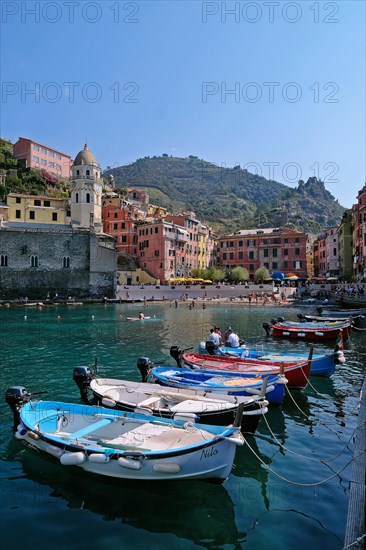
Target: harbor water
{"x": 290, "y": 484}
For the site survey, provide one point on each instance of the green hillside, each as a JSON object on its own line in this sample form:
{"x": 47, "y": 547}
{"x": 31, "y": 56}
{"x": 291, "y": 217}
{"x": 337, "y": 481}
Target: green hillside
{"x": 230, "y": 198}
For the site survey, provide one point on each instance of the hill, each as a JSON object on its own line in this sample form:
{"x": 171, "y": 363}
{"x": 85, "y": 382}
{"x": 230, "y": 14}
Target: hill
{"x": 230, "y": 198}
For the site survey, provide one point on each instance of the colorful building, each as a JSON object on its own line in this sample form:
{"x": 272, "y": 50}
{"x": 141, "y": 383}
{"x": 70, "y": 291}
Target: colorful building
{"x": 119, "y": 220}
{"x": 162, "y": 249}
{"x": 42, "y": 157}
{"x": 38, "y": 209}
{"x": 277, "y": 249}
{"x": 327, "y": 253}
{"x": 345, "y": 239}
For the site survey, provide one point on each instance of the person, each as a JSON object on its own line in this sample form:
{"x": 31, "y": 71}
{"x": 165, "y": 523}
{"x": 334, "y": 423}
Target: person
{"x": 141, "y": 315}
{"x": 228, "y": 331}
{"x": 218, "y": 331}
{"x": 214, "y": 337}
{"x": 233, "y": 340}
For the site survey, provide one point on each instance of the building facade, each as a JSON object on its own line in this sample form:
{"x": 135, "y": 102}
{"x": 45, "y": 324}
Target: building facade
{"x": 42, "y": 157}
{"x": 328, "y": 260}
{"x": 41, "y": 256}
{"x": 345, "y": 239}
{"x": 277, "y": 249}
{"x": 38, "y": 209}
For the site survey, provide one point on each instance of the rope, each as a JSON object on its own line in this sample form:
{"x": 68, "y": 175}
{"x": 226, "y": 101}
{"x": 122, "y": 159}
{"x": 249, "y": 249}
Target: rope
{"x": 357, "y": 541}
{"x": 304, "y": 456}
{"x": 291, "y": 482}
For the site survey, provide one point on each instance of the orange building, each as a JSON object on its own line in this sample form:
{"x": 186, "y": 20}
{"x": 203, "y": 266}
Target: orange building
{"x": 119, "y": 220}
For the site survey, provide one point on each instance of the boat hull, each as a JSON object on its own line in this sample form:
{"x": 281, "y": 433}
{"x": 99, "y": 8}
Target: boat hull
{"x": 297, "y": 373}
{"x": 213, "y": 416}
{"x": 210, "y": 457}
{"x": 221, "y": 383}
{"x": 321, "y": 365}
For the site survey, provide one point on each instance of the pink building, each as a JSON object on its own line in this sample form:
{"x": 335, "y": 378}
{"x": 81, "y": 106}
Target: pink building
{"x": 161, "y": 249}
{"x": 361, "y": 237}
{"x": 42, "y": 157}
{"x": 327, "y": 253}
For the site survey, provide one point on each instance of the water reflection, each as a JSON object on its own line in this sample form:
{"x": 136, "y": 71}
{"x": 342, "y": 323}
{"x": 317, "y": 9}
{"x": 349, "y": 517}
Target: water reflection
{"x": 198, "y": 511}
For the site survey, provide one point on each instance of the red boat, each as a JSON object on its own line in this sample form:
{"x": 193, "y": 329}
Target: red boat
{"x": 296, "y": 372}
{"x": 310, "y": 331}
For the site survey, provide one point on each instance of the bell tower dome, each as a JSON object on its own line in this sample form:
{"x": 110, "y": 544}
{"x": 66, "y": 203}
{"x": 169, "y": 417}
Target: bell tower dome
{"x": 86, "y": 192}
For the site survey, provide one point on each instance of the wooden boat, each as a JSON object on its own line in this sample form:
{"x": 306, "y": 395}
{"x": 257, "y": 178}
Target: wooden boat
{"x": 309, "y": 331}
{"x": 296, "y": 372}
{"x": 224, "y": 383}
{"x": 353, "y": 301}
{"x": 321, "y": 365}
{"x": 128, "y": 445}
{"x": 340, "y": 313}
{"x": 152, "y": 399}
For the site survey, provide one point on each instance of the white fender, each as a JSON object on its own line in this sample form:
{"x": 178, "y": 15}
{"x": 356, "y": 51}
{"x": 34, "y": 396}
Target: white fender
{"x": 186, "y": 417}
{"x": 202, "y": 345}
{"x": 99, "y": 458}
{"x": 129, "y": 463}
{"x": 167, "y": 468}
{"x": 108, "y": 402}
{"x": 72, "y": 459}
{"x": 54, "y": 451}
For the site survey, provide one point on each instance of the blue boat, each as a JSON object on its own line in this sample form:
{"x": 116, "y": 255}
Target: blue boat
{"x": 227, "y": 383}
{"x": 321, "y": 365}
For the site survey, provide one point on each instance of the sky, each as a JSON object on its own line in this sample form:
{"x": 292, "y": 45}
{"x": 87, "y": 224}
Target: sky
{"x": 275, "y": 87}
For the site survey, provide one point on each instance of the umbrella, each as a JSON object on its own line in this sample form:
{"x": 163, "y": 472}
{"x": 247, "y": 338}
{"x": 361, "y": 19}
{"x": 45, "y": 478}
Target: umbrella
{"x": 291, "y": 276}
{"x": 278, "y": 275}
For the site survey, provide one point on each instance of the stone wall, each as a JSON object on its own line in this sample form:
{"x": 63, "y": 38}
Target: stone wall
{"x": 91, "y": 274}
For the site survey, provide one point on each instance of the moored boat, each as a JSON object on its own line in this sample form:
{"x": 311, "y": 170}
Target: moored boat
{"x": 309, "y": 331}
{"x": 126, "y": 445}
{"x": 321, "y": 364}
{"x": 223, "y": 383}
{"x": 167, "y": 402}
{"x": 297, "y": 372}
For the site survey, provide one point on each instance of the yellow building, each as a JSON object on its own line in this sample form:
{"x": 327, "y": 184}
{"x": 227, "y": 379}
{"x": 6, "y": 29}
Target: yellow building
{"x": 38, "y": 209}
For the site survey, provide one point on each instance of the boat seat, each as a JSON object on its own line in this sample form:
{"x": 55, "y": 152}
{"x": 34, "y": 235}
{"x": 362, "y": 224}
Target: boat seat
{"x": 150, "y": 402}
{"x": 91, "y": 428}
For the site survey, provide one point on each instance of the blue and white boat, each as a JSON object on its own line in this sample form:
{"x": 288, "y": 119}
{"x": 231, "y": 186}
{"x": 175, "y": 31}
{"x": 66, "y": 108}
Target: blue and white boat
{"x": 127, "y": 445}
{"x": 321, "y": 364}
{"x": 226, "y": 383}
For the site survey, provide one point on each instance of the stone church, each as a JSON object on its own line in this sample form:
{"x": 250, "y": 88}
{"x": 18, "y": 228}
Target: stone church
{"x": 75, "y": 259}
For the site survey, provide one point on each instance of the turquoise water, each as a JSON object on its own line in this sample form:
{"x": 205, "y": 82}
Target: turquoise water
{"x": 266, "y": 501}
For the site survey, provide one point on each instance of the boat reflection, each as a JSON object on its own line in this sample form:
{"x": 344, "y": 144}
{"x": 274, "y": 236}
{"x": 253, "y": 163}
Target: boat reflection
{"x": 198, "y": 511}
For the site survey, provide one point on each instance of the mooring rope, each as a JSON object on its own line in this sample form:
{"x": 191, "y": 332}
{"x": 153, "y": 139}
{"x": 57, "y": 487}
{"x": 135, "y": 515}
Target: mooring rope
{"x": 304, "y": 456}
{"x": 291, "y": 482}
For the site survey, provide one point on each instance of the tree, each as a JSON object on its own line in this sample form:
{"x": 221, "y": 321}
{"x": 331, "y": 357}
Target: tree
{"x": 261, "y": 273}
{"x": 215, "y": 274}
{"x": 239, "y": 274}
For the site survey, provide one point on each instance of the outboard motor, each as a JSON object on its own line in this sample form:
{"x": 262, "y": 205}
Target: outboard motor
{"x": 176, "y": 353}
{"x": 267, "y": 327}
{"x": 82, "y": 377}
{"x": 210, "y": 347}
{"x": 144, "y": 365}
{"x": 15, "y": 397}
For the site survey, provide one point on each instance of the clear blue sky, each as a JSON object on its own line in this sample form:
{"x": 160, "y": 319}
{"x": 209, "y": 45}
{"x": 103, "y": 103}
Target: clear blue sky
{"x": 154, "y": 77}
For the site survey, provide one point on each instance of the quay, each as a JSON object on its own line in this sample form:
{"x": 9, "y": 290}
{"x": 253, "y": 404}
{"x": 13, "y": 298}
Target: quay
{"x": 355, "y": 528}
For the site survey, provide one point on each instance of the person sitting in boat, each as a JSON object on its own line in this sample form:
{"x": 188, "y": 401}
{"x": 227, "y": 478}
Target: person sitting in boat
{"x": 215, "y": 338}
{"x": 141, "y": 315}
{"x": 227, "y": 333}
{"x": 233, "y": 340}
